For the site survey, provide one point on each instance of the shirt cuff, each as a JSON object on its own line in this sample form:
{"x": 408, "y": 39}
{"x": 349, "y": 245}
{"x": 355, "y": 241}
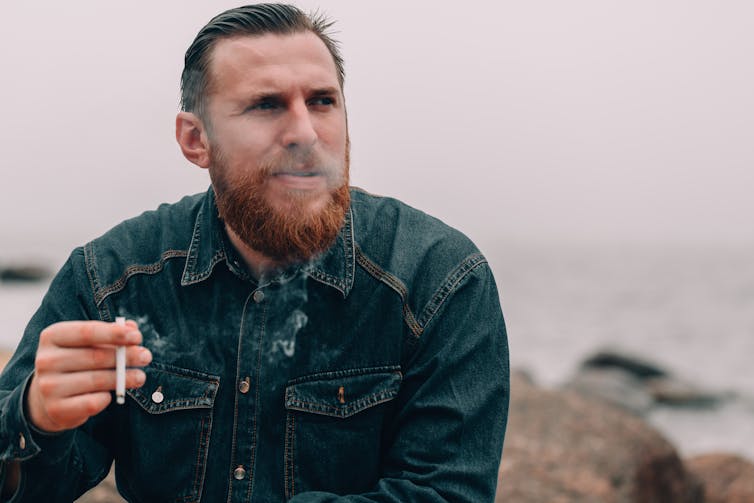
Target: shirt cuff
{"x": 22, "y": 440}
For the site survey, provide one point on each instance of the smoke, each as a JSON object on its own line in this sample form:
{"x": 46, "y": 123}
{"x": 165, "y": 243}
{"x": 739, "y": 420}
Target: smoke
{"x": 287, "y": 315}
{"x": 152, "y": 339}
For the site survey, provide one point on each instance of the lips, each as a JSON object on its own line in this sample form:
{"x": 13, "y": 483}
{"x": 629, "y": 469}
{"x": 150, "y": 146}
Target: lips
{"x": 300, "y": 180}
{"x": 298, "y": 173}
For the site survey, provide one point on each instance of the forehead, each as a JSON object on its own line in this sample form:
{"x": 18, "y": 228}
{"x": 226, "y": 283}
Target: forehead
{"x": 271, "y": 59}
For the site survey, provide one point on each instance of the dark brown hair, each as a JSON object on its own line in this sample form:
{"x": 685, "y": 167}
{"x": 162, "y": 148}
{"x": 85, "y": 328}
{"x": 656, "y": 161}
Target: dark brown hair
{"x": 258, "y": 19}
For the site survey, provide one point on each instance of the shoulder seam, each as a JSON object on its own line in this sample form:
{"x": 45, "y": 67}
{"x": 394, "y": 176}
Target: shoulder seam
{"x": 448, "y": 286}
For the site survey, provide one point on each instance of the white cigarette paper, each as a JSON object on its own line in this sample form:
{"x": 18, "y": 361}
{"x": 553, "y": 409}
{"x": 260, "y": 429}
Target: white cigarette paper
{"x": 120, "y": 367}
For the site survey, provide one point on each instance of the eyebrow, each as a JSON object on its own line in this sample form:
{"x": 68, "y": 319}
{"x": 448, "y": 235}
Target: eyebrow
{"x": 324, "y": 91}
{"x": 276, "y": 95}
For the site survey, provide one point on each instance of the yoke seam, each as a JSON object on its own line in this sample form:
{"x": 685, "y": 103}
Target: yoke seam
{"x": 396, "y": 285}
{"x": 101, "y": 294}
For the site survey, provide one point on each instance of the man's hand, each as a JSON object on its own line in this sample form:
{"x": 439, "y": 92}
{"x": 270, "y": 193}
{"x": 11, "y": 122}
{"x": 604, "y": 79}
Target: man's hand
{"x": 75, "y": 371}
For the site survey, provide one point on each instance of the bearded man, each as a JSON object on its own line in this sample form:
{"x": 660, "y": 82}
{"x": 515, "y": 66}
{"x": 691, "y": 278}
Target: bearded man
{"x": 289, "y": 338}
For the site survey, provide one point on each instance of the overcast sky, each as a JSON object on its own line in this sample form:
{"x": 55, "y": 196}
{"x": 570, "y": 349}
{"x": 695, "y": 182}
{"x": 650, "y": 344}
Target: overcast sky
{"x": 582, "y": 120}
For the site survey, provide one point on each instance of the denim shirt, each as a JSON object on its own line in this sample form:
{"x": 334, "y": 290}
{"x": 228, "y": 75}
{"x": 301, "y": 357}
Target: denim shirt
{"x": 379, "y": 372}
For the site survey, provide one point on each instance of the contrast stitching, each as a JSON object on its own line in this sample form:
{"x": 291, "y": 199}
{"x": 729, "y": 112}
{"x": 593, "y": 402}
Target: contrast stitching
{"x": 199, "y": 456}
{"x": 352, "y": 409}
{"x": 449, "y": 285}
{"x": 208, "y": 440}
{"x": 90, "y": 262}
{"x": 234, "y": 441}
{"x": 287, "y": 454}
{"x": 293, "y": 455}
{"x": 394, "y": 283}
{"x": 195, "y": 278}
{"x": 343, "y": 285}
{"x": 336, "y": 374}
{"x": 252, "y": 461}
{"x": 154, "y": 268}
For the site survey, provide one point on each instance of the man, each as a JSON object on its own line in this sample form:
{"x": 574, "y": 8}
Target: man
{"x": 288, "y": 339}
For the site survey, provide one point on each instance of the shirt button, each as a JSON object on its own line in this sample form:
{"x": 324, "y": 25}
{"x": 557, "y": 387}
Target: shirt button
{"x": 157, "y": 396}
{"x": 239, "y": 473}
{"x": 258, "y": 296}
{"x": 244, "y": 386}
{"x": 21, "y": 441}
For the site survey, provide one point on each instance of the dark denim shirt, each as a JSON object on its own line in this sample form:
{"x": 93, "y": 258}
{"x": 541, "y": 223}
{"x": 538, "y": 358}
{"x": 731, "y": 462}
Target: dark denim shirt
{"x": 377, "y": 373}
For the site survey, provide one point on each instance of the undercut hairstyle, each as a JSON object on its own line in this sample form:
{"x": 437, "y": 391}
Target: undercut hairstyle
{"x": 251, "y": 20}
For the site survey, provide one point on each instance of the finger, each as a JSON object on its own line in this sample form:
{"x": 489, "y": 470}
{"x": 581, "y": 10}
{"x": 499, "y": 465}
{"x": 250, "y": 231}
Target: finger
{"x": 70, "y": 412}
{"x": 55, "y": 386}
{"x": 89, "y": 333}
{"x": 96, "y": 358}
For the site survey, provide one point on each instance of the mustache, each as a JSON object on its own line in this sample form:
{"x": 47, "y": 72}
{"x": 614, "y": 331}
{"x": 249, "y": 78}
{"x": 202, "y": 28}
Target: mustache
{"x": 303, "y": 160}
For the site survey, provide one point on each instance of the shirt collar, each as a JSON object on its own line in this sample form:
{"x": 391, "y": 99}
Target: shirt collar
{"x": 334, "y": 268}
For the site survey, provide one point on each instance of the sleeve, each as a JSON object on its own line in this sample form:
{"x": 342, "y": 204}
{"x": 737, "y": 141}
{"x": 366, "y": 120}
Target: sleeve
{"x": 54, "y": 467}
{"x": 445, "y": 441}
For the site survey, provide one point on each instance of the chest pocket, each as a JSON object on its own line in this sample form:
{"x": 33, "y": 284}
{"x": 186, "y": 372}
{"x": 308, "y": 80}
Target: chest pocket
{"x": 334, "y": 423}
{"x": 169, "y": 420}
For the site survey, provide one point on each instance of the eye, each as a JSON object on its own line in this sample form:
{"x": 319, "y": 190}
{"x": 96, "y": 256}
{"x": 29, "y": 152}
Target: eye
{"x": 322, "y": 101}
{"x": 264, "y": 105}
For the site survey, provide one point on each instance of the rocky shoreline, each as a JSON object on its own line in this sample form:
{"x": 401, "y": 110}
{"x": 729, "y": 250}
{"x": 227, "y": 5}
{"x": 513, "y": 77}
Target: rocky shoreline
{"x": 589, "y": 442}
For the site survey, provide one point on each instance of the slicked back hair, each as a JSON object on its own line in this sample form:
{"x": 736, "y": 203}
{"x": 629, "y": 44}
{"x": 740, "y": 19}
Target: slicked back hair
{"x": 258, "y": 19}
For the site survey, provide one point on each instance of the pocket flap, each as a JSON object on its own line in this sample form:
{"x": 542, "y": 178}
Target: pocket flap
{"x": 169, "y": 388}
{"x": 343, "y": 393}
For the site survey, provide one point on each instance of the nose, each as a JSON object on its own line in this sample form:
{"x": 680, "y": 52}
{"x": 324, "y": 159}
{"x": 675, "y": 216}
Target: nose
{"x": 299, "y": 130}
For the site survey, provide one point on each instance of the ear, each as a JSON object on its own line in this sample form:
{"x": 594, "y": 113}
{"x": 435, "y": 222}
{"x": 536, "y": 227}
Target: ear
{"x": 192, "y": 138}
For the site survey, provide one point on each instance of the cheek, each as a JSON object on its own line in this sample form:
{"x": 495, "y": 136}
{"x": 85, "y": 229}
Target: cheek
{"x": 335, "y": 137}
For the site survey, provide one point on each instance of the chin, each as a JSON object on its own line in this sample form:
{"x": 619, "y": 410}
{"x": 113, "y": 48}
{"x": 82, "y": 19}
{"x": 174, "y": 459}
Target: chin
{"x": 300, "y": 200}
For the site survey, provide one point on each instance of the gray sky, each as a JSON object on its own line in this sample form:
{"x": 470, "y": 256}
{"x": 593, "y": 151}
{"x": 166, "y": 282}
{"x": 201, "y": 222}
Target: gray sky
{"x": 587, "y": 120}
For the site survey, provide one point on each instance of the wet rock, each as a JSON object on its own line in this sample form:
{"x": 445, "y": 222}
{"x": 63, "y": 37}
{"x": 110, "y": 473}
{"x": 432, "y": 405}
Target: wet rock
{"x": 632, "y": 364}
{"x": 613, "y": 385}
{"x": 671, "y": 391}
{"x": 727, "y": 478}
{"x": 24, "y": 272}
{"x": 565, "y": 447}
{"x": 636, "y": 383}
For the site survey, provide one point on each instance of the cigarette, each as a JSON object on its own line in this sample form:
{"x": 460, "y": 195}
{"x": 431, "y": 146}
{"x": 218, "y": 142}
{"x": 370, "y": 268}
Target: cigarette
{"x": 120, "y": 367}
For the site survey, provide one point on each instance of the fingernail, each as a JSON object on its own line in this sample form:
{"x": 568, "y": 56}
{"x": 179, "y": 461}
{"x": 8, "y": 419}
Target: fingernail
{"x": 133, "y": 335}
{"x": 145, "y": 356}
{"x": 141, "y": 378}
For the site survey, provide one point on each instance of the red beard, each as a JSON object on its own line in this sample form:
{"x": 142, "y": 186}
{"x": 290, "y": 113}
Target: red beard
{"x": 293, "y": 235}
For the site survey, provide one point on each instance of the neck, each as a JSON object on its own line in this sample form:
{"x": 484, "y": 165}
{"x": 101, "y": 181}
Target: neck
{"x": 258, "y": 263}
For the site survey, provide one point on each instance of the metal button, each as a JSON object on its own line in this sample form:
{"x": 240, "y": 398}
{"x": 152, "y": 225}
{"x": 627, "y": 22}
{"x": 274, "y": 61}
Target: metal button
{"x": 157, "y": 396}
{"x": 244, "y": 386}
{"x": 21, "y": 441}
{"x": 239, "y": 473}
{"x": 258, "y": 296}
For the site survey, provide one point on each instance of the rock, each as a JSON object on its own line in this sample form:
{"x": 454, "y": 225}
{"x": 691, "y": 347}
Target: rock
{"x": 671, "y": 391}
{"x": 614, "y": 385}
{"x": 636, "y": 383}
{"x": 24, "y": 272}
{"x": 633, "y": 364}
{"x": 727, "y": 478}
{"x": 564, "y": 447}
{"x": 104, "y": 492}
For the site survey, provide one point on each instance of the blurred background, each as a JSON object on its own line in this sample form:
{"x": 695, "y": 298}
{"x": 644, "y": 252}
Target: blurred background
{"x": 598, "y": 152}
